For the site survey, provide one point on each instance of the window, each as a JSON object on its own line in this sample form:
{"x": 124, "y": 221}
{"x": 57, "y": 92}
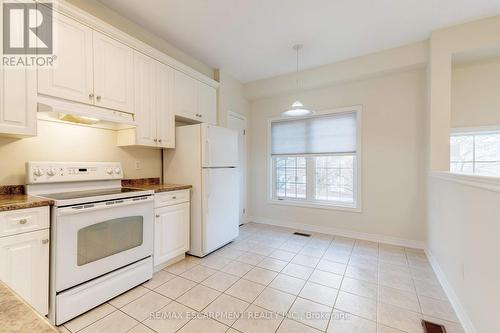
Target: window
{"x": 314, "y": 160}
{"x": 476, "y": 153}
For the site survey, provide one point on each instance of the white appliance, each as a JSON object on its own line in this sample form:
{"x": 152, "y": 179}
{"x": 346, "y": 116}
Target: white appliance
{"x": 206, "y": 157}
{"x": 101, "y": 233}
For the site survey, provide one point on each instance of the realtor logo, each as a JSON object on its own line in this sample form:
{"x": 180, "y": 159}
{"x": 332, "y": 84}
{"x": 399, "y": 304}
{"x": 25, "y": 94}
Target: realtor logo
{"x": 27, "y": 28}
{"x": 27, "y": 34}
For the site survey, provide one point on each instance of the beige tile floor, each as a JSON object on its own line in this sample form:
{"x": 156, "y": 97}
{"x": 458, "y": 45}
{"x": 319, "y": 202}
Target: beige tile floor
{"x": 270, "y": 280}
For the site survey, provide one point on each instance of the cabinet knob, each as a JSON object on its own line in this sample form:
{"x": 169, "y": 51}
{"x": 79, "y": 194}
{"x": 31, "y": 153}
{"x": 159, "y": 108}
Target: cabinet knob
{"x": 91, "y": 96}
{"x": 155, "y": 140}
{"x": 174, "y": 197}
{"x": 45, "y": 241}
{"x": 159, "y": 141}
{"x": 98, "y": 98}
{"x": 157, "y": 215}
{"x": 23, "y": 221}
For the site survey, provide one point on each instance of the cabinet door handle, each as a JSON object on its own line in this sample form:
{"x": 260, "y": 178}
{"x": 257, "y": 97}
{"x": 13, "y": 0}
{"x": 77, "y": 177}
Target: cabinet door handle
{"x": 91, "y": 96}
{"x": 45, "y": 241}
{"x": 174, "y": 197}
{"x": 155, "y": 140}
{"x": 23, "y": 221}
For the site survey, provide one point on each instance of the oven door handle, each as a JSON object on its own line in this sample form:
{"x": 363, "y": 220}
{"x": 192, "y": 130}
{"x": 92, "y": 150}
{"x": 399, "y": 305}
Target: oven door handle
{"x": 85, "y": 208}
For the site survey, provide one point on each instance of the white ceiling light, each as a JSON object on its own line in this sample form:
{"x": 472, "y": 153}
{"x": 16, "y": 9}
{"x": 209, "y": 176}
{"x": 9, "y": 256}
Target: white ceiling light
{"x": 297, "y": 109}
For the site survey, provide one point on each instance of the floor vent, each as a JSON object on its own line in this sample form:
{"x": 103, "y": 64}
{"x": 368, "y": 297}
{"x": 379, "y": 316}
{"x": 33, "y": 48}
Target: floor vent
{"x": 301, "y": 234}
{"x": 432, "y": 327}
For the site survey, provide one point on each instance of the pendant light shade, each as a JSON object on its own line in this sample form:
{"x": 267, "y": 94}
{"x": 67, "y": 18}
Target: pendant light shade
{"x": 297, "y": 109}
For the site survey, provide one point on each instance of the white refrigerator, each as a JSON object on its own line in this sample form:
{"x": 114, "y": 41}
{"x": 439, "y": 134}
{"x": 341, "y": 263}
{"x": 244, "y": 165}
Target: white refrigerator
{"x": 206, "y": 157}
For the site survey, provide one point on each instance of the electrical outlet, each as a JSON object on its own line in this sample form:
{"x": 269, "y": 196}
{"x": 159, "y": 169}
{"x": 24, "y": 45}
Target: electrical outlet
{"x": 138, "y": 165}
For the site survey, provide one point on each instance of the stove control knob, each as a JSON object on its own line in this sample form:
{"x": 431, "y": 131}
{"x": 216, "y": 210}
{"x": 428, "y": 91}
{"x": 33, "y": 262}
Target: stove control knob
{"x": 109, "y": 171}
{"x": 38, "y": 172}
{"x": 51, "y": 172}
{"x": 118, "y": 171}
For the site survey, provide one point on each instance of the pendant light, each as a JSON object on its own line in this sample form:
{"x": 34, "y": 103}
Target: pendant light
{"x": 297, "y": 109}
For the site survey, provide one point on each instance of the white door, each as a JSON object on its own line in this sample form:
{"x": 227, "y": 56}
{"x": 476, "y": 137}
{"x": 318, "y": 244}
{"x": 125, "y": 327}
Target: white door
{"x": 220, "y": 207}
{"x": 24, "y": 266}
{"x": 73, "y": 75}
{"x": 185, "y": 104}
{"x": 145, "y": 99}
{"x": 165, "y": 112}
{"x": 238, "y": 123}
{"x": 113, "y": 74}
{"x": 171, "y": 232}
{"x": 207, "y": 103}
{"x": 219, "y": 146}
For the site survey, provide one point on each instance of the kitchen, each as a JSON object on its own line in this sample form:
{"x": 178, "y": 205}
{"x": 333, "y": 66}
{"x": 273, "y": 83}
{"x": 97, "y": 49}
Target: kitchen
{"x": 150, "y": 186}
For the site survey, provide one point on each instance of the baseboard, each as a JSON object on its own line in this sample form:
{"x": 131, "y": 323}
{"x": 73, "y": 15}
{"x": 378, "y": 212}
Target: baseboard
{"x": 452, "y": 297}
{"x": 343, "y": 232}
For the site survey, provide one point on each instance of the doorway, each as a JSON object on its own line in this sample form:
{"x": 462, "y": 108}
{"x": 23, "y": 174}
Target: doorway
{"x": 238, "y": 122}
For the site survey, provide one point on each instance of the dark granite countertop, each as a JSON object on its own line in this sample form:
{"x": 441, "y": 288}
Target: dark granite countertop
{"x": 17, "y": 316}
{"x": 13, "y": 197}
{"x": 154, "y": 185}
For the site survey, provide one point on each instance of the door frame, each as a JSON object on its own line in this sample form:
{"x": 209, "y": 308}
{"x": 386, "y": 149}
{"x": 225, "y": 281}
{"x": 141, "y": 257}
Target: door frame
{"x": 245, "y": 143}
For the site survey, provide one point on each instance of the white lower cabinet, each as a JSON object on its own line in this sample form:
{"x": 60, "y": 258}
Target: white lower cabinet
{"x": 172, "y": 225}
{"x": 24, "y": 265}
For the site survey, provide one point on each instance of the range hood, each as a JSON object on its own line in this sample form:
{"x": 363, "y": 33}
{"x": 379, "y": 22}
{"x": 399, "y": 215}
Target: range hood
{"x": 60, "y": 110}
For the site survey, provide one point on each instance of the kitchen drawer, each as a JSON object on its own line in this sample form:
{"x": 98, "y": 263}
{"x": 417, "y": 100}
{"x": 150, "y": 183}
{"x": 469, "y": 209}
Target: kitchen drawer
{"x": 24, "y": 220}
{"x": 171, "y": 198}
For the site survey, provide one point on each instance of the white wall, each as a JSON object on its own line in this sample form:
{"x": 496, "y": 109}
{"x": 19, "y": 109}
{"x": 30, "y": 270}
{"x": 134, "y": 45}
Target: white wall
{"x": 231, "y": 97}
{"x": 393, "y": 157}
{"x": 475, "y": 94}
{"x": 464, "y": 230}
{"x": 65, "y": 142}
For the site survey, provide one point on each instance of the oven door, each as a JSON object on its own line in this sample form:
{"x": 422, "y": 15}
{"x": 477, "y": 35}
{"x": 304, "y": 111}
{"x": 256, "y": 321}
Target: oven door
{"x": 94, "y": 239}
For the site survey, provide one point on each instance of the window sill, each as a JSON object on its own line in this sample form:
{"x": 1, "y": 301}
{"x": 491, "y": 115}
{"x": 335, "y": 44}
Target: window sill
{"x": 314, "y": 205}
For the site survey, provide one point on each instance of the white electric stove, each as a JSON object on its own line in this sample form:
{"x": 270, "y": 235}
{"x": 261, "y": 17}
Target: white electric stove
{"x": 101, "y": 233}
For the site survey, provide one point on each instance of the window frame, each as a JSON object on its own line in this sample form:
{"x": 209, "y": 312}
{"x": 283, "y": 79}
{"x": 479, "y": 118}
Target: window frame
{"x": 472, "y": 132}
{"x": 357, "y": 187}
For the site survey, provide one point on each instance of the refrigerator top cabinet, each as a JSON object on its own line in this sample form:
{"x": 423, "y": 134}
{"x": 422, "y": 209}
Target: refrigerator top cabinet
{"x": 219, "y": 147}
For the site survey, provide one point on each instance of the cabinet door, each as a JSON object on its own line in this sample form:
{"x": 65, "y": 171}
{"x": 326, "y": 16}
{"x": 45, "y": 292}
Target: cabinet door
{"x": 17, "y": 98}
{"x": 24, "y": 266}
{"x": 165, "y": 108}
{"x": 72, "y": 77}
{"x": 171, "y": 232}
{"x": 145, "y": 99}
{"x": 113, "y": 74}
{"x": 207, "y": 103}
{"x": 185, "y": 104}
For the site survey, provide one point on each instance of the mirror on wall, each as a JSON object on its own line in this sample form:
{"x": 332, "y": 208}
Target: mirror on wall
{"x": 475, "y": 113}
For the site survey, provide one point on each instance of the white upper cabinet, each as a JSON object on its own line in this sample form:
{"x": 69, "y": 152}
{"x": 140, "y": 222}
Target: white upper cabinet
{"x": 91, "y": 68}
{"x": 207, "y": 103}
{"x": 145, "y": 99}
{"x": 165, "y": 112}
{"x": 17, "y": 98}
{"x": 153, "y": 84}
{"x": 113, "y": 74}
{"x": 73, "y": 77}
{"x": 185, "y": 96}
{"x": 194, "y": 100}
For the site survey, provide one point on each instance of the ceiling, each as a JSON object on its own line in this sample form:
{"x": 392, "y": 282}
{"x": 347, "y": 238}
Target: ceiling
{"x": 252, "y": 39}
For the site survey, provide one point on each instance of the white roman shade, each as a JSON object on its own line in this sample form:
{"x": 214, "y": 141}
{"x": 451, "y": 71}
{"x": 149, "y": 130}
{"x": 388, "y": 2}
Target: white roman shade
{"x": 330, "y": 134}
